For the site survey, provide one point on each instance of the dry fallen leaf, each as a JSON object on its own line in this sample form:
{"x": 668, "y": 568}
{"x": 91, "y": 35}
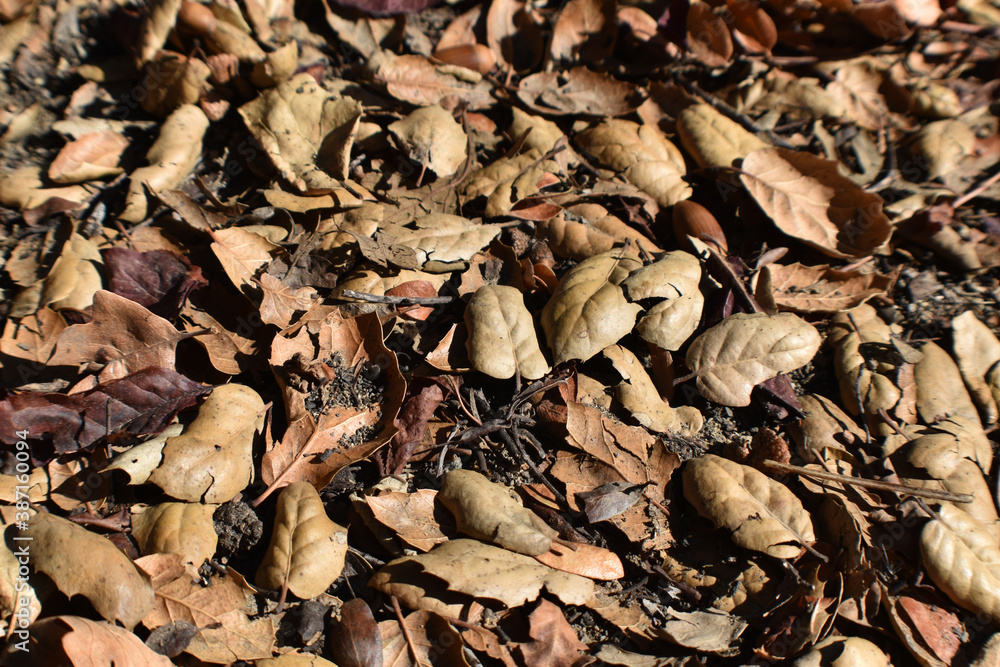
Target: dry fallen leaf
{"x": 643, "y": 154}
{"x": 443, "y": 238}
{"x": 585, "y": 30}
{"x": 212, "y": 460}
{"x": 94, "y": 155}
{"x": 483, "y": 572}
{"x": 122, "y": 335}
{"x": 416, "y": 80}
{"x": 674, "y": 278}
{"x": 306, "y": 132}
{"x": 578, "y": 91}
{"x": 431, "y": 137}
{"x": 941, "y": 393}
{"x": 588, "y": 310}
{"x": 977, "y": 351}
{"x": 639, "y": 396}
{"x": 86, "y": 643}
{"x": 491, "y": 512}
{"x": 844, "y": 652}
{"x": 809, "y": 199}
{"x": 732, "y": 357}
{"x": 307, "y": 549}
{"x": 80, "y": 562}
{"x": 962, "y": 557}
{"x": 822, "y": 289}
{"x": 713, "y": 139}
{"x": 762, "y": 514}
{"x": 227, "y": 633}
{"x": 171, "y": 158}
{"x": 502, "y": 340}
{"x": 177, "y": 528}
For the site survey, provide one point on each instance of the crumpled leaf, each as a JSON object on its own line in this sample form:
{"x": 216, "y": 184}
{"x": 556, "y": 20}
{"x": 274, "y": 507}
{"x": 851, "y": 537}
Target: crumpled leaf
{"x": 809, "y": 199}
{"x": 445, "y": 238}
{"x": 181, "y": 597}
{"x": 709, "y": 630}
{"x": 94, "y": 155}
{"x": 157, "y": 279}
{"x": 122, "y": 333}
{"x": 962, "y": 557}
{"x": 483, "y": 572}
{"x": 762, "y": 514}
{"x": 506, "y": 182}
{"x": 212, "y": 460}
{"x": 171, "y": 158}
{"x": 585, "y": 230}
{"x": 578, "y": 91}
{"x": 502, "y": 338}
{"x": 712, "y": 139}
{"x": 674, "y": 278}
{"x": 878, "y": 387}
{"x": 84, "y": 563}
{"x": 138, "y": 404}
{"x": 85, "y": 643}
{"x": 588, "y": 310}
{"x": 411, "y": 516}
{"x": 177, "y": 528}
{"x": 242, "y": 253}
{"x": 160, "y": 20}
{"x": 306, "y": 131}
{"x": 844, "y": 652}
{"x": 645, "y": 156}
{"x": 708, "y": 36}
{"x": 822, "y": 289}
{"x": 745, "y": 349}
{"x": 431, "y": 137}
{"x": 639, "y": 396}
{"x": 418, "y": 81}
{"x": 307, "y": 549}
{"x": 71, "y": 282}
{"x": 493, "y": 513}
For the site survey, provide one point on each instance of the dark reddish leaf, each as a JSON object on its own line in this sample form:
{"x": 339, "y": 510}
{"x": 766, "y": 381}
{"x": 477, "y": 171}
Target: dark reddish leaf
{"x": 355, "y": 639}
{"x": 424, "y": 395}
{"x": 157, "y": 279}
{"x": 142, "y": 403}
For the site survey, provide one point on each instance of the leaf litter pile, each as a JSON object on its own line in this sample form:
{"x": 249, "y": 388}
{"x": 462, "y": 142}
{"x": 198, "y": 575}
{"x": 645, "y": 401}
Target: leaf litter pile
{"x": 519, "y": 333}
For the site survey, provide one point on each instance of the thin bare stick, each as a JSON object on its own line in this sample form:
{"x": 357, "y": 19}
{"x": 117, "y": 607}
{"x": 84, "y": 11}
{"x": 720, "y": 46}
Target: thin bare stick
{"x": 397, "y": 300}
{"x": 969, "y": 194}
{"x": 877, "y": 485}
{"x": 406, "y": 632}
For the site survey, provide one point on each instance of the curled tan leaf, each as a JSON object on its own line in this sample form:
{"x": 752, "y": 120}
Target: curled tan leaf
{"x": 977, "y": 350}
{"x": 588, "y": 310}
{"x": 80, "y": 562}
{"x": 809, "y": 199}
{"x": 713, "y": 139}
{"x": 762, "y": 514}
{"x": 844, "y": 652}
{"x": 962, "y": 557}
{"x": 502, "y": 338}
{"x": 941, "y": 392}
{"x": 171, "y": 158}
{"x": 441, "y": 237}
{"x": 94, "y": 155}
{"x": 493, "y": 513}
{"x": 481, "y": 571}
{"x": 431, "y": 137}
{"x": 745, "y": 349}
{"x": 307, "y": 549}
{"x": 177, "y": 528}
{"x": 645, "y": 156}
{"x": 674, "y": 278}
{"x": 305, "y": 130}
{"x": 212, "y": 460}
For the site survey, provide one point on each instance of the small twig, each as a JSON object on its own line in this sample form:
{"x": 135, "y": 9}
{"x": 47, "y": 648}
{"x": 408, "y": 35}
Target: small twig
{"x": 969, "y": 194}
{"x": 406, "y": 632}
{"x": 397, "y": 300}
{"x": 877, "y": 485}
